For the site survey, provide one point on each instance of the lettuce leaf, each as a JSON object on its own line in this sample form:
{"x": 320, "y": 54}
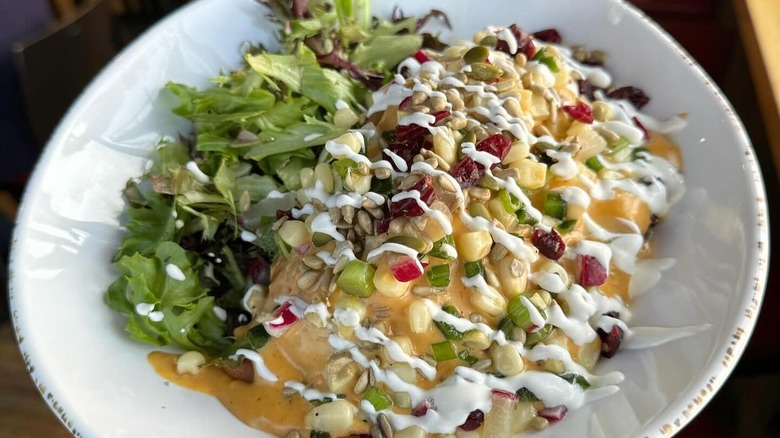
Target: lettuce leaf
{"x": 151, "y": 223}
{"x": 188, "y": 319}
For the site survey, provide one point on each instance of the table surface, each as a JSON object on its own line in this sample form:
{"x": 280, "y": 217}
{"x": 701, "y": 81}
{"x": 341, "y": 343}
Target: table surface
{"x": 759, "y": 23}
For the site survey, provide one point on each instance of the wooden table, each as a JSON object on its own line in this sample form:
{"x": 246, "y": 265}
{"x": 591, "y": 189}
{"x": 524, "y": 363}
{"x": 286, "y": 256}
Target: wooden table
{"x": 759, "y": 23}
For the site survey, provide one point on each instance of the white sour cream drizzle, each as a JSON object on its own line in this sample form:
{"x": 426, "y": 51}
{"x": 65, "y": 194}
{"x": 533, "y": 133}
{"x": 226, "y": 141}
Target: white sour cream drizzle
{"x": 197, "y": 173}
{"x": 174, "y": 272}
{"x": 469, "y": 389}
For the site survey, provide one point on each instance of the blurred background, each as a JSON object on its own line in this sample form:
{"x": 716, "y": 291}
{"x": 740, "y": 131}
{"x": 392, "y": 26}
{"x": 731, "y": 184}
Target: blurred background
{"x": 50, "y": 49}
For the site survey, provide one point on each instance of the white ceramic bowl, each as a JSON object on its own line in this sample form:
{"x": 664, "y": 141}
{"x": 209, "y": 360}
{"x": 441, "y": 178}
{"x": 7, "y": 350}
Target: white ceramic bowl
{"x": 98, "y": 381}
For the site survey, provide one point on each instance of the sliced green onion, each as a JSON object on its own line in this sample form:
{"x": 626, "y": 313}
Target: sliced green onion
{"x": 344, "y": 167}
{"x": 594, "y": 163}
{"x": 620, "y": 149}
{"x": 639, "y": 153}
{"x": 566, "y": 226}
{"x": 452, "y": 310}
{"x": 357, "y": 279}
{"x": 437, "y": 250}
{"x": 542, "y": 57}
{"x": 518, "y": 313}
{"x": 439, "y": 275}
{"x": 509, "y": 201}
{"x": 378, "y": 399}
{"x": 449, "y": 331}
{"x": 466, "y": 357}
{"x": 538, "y": 336}
{"x": 443, "y": 351}
{"x": 526, "y": 395}
{"x": 506, "y": 325}
{"x": 525, "y": 218}
{"x": 472, "y": 269}
{"x": 576, "y": 379}
{"x": 554, "y": 205}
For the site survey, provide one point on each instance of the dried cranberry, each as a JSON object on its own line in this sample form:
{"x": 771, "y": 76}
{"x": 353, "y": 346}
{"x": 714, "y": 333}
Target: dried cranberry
{"x": 406, "y": 269}
{"x": 383, "y": 225}
{"x": 505, "y": 394}
{"x": 642, "y": 127}
{"x": 585, "y": 88}
{"x": 473, "y": 421}
{"x": 468, "y": 172}
{"x": 550, "y": 244}
{"x": 421, "y": 57}
{"x": 259, "y": 270}
{"x": 497, "y": 145}
{"x": 525, "y": 43}
{"x": 406, "y": 133}
{"x": 610, "y": 342}
{"x": 580, "y": 112}
{"x": 554, "y": 414}
{"x": 635, "y": 95}
{"x": 421, "y": 409}
{"x": 409, "y": 206}
{"x": 406, "y": 151}
{"x": 592, "y": 273}
{"x": 405, "y": 104}
{"x": 548, "y": 36}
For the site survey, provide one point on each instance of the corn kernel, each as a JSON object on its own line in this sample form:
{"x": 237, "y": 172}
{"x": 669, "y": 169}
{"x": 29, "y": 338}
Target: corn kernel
{"x": 352, "y": 140}
{"x": 517, "y": 151}
{"x": 533, "y": 175}
{"x": 404, "y": 372}
{"x": 493, "y": 305}
{"x": 294, "y": 233}
{"x": 444, "y": 146}
{"x": 411, "y": 432}
{"x": 307, "y": 177}
{"x": 336, "y": 416}
{"x": 387, "y": 285}
{"x": 345, "y": 118}
{"x": 420, "y": 320}
{"x": 323, "y": 174}
{"x": 190, "y": 363}
{"x": 507, "y": 360}
{"x": 474, "y": 245}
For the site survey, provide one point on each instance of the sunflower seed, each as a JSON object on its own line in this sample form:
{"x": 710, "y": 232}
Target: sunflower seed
{"x": 351, "y": 235}
{"x": 364, "y": 169}
{"x": 446, "y": 184}
{"x": 377, "y": 213}
{"x": 428, "y": 359}
{"x": 307, "y": 280}
{"x": 335, "y": 214}
{"x": 278, "y": 224}
{"x": 418, "y": 158}
{"x": 419, "y": 222}
{"x": 425, "y": 291}
{"x": 409, "y": 180}
{"x": 433, "y": 162}
{"x": 288, "y": 392}
{"x": 383, "y": 173}
{"x": 369, "y": 203}
{"x": 365, "y": 222}
{"x": 384, "y": 425}
{"x": 456, "y": 123}
{"x": 371, "y": 376}
{"x": 348, "y": 213}
{"x": 476, "y": 318}
{"x": 397, "y": 225}
{"x": 325, "y": 279}
{"x": 382, "y": 312}
{"x": 341, "y": 263}
{"x": 375, "y": 432}
{"x": 479, "y": 193}
{"x": 482, "y": 365}
{"x": 362, "y": 382}
{"x": 420, "y": 109}
{"x": 498, "y": 253}
{"x": 492, "y": 278}
{"x": 418, "y": 98}
{"x": 313, "y": 262}
{"x": 540, "y": 423}
{"x": 507, "y": 173}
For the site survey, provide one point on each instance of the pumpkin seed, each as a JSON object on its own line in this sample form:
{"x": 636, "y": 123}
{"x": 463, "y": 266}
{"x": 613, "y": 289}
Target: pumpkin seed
{"x": 484, "y": 72}
{"x": 476, "y": 54}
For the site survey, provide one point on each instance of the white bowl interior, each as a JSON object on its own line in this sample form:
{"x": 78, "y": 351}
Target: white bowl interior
{"x": 98, "y": 380}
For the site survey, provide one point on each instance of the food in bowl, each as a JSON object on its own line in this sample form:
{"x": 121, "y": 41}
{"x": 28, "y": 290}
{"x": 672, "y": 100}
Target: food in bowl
{"x": 374, "y": 232}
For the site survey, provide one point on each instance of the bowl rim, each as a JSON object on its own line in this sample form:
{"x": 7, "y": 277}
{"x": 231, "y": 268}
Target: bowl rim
{"x": 668, "y": 422}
